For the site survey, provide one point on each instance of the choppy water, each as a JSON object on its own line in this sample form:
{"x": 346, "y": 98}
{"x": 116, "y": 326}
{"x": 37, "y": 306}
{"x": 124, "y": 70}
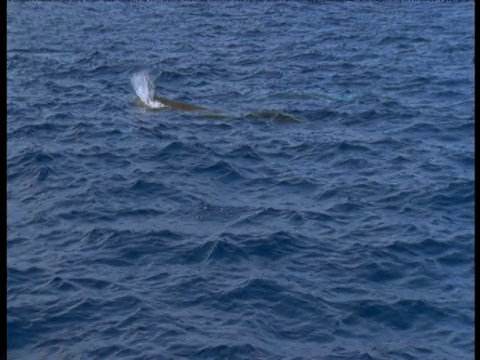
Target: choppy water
{"x": 137, "y": 234}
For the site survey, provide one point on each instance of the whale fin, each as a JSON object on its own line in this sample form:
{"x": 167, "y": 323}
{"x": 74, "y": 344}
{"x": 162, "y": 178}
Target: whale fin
{"x": 144, "y": 88}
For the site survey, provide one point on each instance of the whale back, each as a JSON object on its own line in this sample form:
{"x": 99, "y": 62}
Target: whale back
{"x": 178, "y": 105}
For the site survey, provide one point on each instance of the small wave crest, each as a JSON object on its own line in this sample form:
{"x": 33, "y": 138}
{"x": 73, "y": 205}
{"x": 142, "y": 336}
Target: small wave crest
{"x": 144, "y": 88}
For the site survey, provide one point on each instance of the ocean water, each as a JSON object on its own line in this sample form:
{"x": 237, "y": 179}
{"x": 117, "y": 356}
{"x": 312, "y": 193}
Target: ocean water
{"x": 322, "y": 208}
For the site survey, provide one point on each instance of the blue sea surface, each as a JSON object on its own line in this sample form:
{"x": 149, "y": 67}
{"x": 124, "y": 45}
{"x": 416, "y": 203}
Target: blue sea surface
{"x": 322, "y": 208}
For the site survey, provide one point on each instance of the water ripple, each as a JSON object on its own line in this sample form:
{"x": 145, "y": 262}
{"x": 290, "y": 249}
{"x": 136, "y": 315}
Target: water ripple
{"x": 321, "y": 209}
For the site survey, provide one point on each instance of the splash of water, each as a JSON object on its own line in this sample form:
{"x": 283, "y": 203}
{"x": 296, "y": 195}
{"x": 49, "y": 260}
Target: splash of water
{"x": 144, "y": 88}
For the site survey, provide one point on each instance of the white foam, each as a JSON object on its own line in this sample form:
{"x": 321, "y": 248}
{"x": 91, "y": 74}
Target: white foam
{"x": 144, "y": 88}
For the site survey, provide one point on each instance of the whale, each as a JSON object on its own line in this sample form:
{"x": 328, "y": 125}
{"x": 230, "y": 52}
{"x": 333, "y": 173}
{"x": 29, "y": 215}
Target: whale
{"x": 144, "y": 88}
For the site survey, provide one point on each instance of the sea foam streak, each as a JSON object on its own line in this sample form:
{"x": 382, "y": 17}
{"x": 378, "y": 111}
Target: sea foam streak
{"x": 144, "y": 88}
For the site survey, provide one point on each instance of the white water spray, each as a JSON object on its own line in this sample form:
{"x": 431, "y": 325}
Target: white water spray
{"x": 144, "y": 88}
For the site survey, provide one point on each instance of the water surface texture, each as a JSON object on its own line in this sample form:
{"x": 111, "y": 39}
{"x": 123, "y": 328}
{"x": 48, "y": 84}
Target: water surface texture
{"x": 322, "y": 208}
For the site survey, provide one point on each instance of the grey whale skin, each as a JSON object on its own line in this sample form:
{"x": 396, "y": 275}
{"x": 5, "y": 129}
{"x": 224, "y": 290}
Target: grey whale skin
{"x": 177, "y": 105}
